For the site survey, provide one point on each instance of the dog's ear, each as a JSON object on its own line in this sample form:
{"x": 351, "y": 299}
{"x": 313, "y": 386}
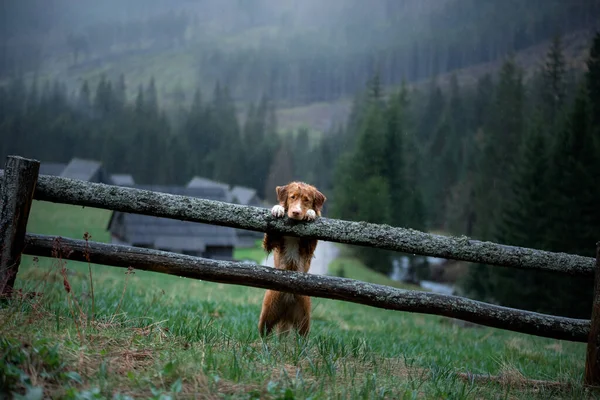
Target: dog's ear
{"x": 318, "y": 201}
{"x": 282, "y": 193}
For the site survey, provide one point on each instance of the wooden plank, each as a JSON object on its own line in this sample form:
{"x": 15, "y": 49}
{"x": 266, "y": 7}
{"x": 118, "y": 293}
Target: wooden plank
{"x": 592, "y": 362}
{"x": 16, "y": 196}
{"x": 350, "y": 290}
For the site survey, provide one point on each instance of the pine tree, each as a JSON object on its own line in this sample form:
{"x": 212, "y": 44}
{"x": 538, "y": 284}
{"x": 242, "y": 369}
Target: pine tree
{"x": 121, "y": 93}
{"x": 151, "y": 97}
{"x": 140, "y": 101}
{"x": 281, "y": 171}
{"x": 362, "y": 189}
{"x": 394, "y": 169}
{"x": 85, "y": 97}
{"x": 554, "y": 71}
{"x": 593, "y": 82}
{"x": 524, "y": 221}
{"x": 228, "y": 157}
{"x": 301, "y": 155}
{"x": 498, "y": 140}
{"x": 104, "y": 101}
{"x": 573, "y": 203}
{"x": 500, "y": 144}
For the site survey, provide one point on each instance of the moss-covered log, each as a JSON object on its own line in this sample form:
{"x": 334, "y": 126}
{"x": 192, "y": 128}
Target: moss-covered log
{"x": 312, "y": 285}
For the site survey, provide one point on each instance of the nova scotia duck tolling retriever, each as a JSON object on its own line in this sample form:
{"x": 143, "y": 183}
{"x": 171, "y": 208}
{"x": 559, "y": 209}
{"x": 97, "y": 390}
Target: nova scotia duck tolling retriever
{"x": 298, "y": 201}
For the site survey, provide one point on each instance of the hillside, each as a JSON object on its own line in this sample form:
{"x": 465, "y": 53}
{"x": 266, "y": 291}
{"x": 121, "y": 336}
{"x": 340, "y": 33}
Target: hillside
{"x": 322, "y": 115}
{"x": 175, "y": 72}
{"x": 301, "y": 55}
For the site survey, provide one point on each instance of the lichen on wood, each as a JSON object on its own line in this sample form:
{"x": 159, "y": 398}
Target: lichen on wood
{"x": 344, "y": 289}
{"x": 70, "y": 191}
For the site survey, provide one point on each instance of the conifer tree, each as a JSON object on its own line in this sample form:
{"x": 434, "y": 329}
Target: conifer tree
{"x": 394, "y": 168}
{"x": 85, "y": 97}
{"x": 151, "y": 98}
{"x": 301, "y": 155}
{"x": 500, "y": 144}
{"x": 524, "y": 221}
{"x": 573, "y": 203}
{"x": 121, "y": 93}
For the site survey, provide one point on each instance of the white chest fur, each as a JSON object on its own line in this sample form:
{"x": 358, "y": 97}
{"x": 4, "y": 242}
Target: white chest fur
{"x": 291, "y": 254}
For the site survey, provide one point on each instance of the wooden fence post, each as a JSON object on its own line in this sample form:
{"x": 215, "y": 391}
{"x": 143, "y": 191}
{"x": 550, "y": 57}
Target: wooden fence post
{"x": 16, "y": 196}
{"x": 592, "y": 362}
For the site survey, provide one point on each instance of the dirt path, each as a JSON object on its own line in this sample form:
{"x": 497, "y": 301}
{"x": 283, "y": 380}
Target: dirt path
{"x": 325, "y": 253}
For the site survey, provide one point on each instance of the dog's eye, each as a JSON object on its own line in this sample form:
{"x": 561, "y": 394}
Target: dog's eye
{"x": 293, "y": 197}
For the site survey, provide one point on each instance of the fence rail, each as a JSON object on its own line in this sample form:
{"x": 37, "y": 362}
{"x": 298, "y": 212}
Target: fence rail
{"x": 138, "y": 201}
{"x": 75, "y": 192}
{"x": 345, "y": 289}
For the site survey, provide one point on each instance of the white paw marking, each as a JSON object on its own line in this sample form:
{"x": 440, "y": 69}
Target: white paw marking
{"x": 311, "y": 215}
{"x": 278, "y": 211}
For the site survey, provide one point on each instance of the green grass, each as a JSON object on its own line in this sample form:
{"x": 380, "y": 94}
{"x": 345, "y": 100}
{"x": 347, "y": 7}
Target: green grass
{"x": 153, "y": 334}
{"x": 354, "y": 269}
{"x": 255, "y": 253}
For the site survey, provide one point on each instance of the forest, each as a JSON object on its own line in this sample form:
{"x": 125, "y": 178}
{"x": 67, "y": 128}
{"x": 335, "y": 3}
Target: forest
{"x": 296, "y": 55}
{"x": 510, "y": 159}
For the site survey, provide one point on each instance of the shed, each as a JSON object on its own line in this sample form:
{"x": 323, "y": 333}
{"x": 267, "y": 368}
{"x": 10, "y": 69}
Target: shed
{"x": 86, "y": 170}
{"x": 122, "y": 179}
{"x": 54, "y": 169}
{"x": 247, "y": 197}
{"x": 185, "y": 237}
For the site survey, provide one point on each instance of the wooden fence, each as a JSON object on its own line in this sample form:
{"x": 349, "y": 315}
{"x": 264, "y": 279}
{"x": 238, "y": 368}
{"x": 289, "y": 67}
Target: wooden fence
{"x": 21, "y": 184}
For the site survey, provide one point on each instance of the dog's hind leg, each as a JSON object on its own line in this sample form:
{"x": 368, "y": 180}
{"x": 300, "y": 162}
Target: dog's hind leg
{"x": 302, "y": 315}
{"x": 270, "y": 313}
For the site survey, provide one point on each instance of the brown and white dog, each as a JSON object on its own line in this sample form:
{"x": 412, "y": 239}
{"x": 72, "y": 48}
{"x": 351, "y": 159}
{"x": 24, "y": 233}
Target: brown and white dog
{"x": 299, "y": 201}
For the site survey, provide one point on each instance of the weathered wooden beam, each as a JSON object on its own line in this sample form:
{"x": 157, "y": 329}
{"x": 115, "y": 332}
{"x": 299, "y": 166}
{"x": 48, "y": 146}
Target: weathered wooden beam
{"x": 16, "y": 196}
{"x": 76, "y": 192}
{"x": 592, "y": 361}
{"x": 312, "y": 285}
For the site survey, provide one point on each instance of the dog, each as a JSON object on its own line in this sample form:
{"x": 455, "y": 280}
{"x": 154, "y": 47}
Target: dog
{"x": 300, "y": 202}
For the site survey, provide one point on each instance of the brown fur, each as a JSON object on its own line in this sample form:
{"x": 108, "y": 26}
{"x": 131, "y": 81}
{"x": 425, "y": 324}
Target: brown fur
{"x": 286, "y": 310}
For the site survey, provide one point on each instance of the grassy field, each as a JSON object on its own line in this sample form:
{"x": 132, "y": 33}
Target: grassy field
{"x": 255, "y": 253}
{"x": 143, "y": 335}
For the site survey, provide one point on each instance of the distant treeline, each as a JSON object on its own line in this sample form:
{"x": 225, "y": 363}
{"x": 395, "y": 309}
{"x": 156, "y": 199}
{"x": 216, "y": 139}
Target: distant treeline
{"x": 401, "y": 40}
{"x": 506, "y": 161}
{"x": 137, "y": 138}
{"x": 207, "y": 139}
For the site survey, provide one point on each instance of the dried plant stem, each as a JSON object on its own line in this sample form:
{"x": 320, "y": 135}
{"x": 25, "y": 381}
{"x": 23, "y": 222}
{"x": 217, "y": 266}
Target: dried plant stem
{"x": 87, "y": 237}
{"x": 129, "y": 272}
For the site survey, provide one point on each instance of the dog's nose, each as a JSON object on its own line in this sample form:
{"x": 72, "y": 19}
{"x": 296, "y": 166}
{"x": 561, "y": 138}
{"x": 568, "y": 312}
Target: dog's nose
{"x": 295, "y": 213}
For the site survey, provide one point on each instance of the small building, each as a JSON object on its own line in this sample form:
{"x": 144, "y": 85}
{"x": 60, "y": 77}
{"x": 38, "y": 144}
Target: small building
{"x": 54, "y": 169}
{"x": 122, "y": 179}
{"x": 247, "y": 197}
{"x": 200, "y": 182}
{"x": 184, "y": 237}
{"x": 86, "y": 170}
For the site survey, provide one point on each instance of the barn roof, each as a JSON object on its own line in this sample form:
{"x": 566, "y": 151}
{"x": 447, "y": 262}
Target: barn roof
{"x": 122, "y": 179}
{"x": 79, "y": 168}
{"x": 171, "y": 234}
{"x": 243, "y": 194}
{"x": 54, "y": 169}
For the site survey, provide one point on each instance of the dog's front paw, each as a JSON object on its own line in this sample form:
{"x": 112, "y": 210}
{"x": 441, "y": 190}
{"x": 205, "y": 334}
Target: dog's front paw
{"x": 278, "y": 211}
{"x": 311, "y": 215}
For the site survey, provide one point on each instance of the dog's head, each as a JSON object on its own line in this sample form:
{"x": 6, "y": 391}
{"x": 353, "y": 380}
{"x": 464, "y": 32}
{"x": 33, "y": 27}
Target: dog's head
{"x": 298, "y": 197}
